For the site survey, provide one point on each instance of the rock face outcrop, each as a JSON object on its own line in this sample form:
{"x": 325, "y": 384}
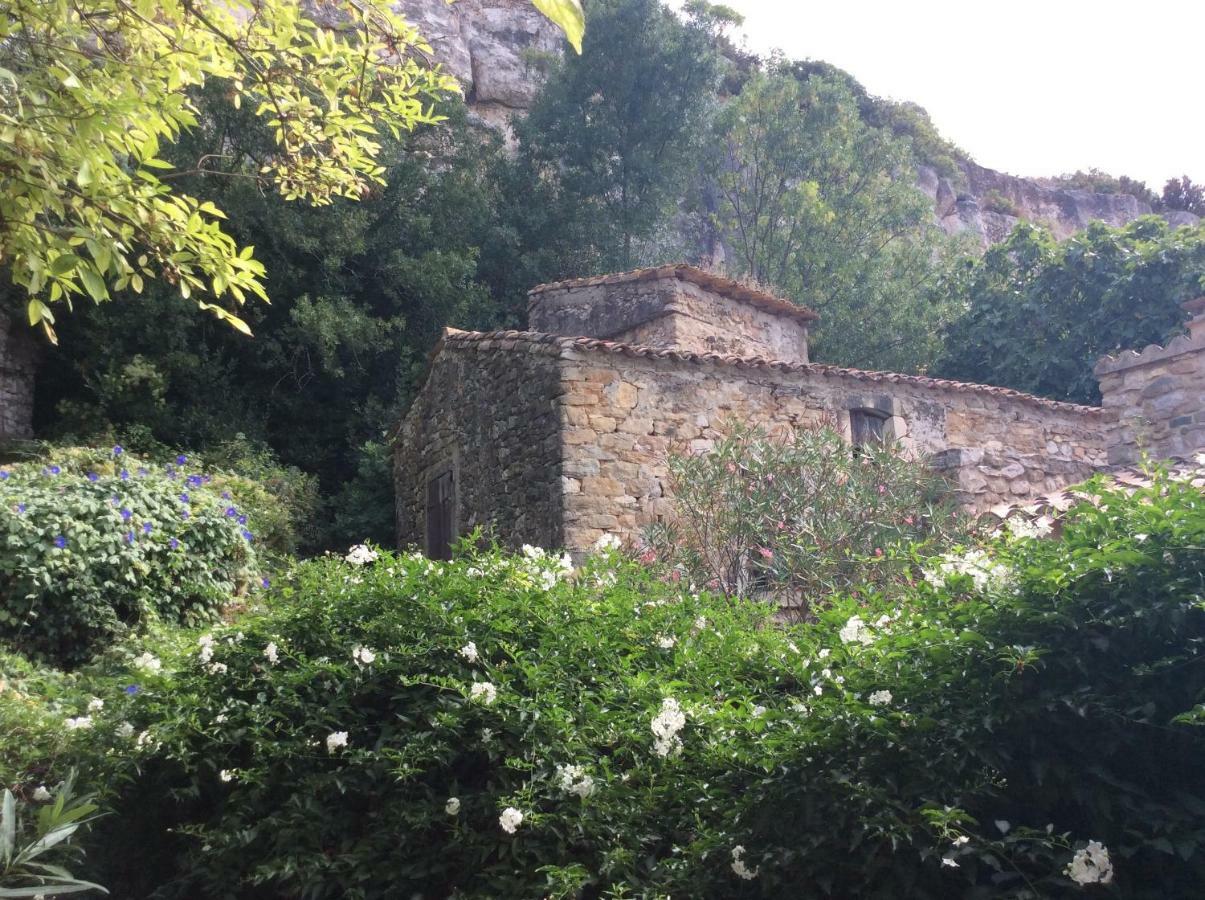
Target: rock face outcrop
{"x": 494, "y": 47}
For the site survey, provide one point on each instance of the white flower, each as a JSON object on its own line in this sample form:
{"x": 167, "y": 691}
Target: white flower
{"x": 880, "y": 698}
{"x": 510, "y": 820}
{"x": 145, "y": 740}
{"x": 363, "y": 656}
{"x": 607, "y": 543}
{"x": 666, "y": 725}
{"x": 80, "y": 723}
{"x": 757, "y": 712}
{"x": 96, "y": 704}
{"x": 335, "y": 740}
{"x": 739, "y": 865}
{"x": 948, "y": 861}
{"x": 855, "y": 631}
{"x": 1020, "y": 527}
{"x": 574, "y": 780}
{"x": 452, "y": 807}
{"x": 1004, "y": 825}
{"x": 532, "y": 552}
{"x": 483, "y": 691}
{"x": 487, "y": 735}
{"x": 666, "y": 642}
{"x": 226, "y": 775}
{"x": 271, "y": 654}
{"x": 206, "y": 642}
{"x": 985, "y": 573}
{"x": 469, "y": 652}
{"x": 149, "y": 662}
{"x": 41, "y": 795}
{"x": 216, "y": 668}
{"x": 791, "y": 646}
{"x": 1091, "y": 865}
{"x": 961, "y": 840}
{"x": 800, "y": 707}
{"x": 361, "y": 555}
{"x": 125, "y": 730}
{"x": 823, "y": 654}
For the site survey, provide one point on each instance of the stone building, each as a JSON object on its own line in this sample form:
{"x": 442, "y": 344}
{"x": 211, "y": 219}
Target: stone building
{"x": 560, "y": 434}
{"x": 18, "y": 359}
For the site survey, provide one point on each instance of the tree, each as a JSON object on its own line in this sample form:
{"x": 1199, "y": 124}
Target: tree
{"x": 824, "y": 207}
{"x": 90, "y": 90}
{"x": 1182, "y": 194}
{"x": 611, "y": 142}
{"x": 1039, "y": 313}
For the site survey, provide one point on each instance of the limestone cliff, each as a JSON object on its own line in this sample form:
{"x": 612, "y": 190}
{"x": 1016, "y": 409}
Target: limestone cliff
{"x": 495, "y": 48}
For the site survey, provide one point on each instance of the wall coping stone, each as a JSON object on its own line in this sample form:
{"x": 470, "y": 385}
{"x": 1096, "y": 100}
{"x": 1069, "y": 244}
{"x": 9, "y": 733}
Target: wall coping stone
{"x": 717, "y": 284}
{"x": 1194, "y": 342}
{"x": 568, "y": 347}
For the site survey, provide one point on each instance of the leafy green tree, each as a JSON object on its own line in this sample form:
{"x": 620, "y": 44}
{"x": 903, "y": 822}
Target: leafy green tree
{"x": 824, "y": 207}
{"x": 1181, "y": 193}
{"x": 1039, "y": 313}
{"x": 610, "y": 145}
{"x": 91, "y": 91}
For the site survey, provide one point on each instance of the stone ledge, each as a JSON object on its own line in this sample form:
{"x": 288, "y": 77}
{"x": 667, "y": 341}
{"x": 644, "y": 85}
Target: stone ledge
{"x": 1152, "y": 353}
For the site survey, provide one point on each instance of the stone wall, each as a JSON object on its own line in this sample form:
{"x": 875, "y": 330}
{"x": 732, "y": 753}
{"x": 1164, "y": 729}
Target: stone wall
{"x": 624, "y": 413}
{"x": 674, "y": 306}
{"x": 490, "y": 416}
{"x": 18, "y": 358}
{"x": 1155, "y": 398}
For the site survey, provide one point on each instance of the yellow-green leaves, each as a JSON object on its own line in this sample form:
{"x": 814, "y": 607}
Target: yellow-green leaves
{"x": 82, "y": 125}
{"x": 568, "y": 15}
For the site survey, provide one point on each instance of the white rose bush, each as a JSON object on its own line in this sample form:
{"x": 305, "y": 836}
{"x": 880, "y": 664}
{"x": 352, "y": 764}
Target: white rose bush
{"x": 507, "y": 725}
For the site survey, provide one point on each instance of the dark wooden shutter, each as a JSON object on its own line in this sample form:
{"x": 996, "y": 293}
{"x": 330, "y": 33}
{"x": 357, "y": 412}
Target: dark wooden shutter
{"x": 867, "y": 427}
{"x": 440, "y": 532}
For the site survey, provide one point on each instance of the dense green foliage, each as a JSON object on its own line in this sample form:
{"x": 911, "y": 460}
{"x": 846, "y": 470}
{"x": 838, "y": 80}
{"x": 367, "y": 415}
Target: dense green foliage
{"x": 366, "y": 735}
{"x": 1040, "y": 312}
{"x": 93, "y": 547}
{"x": 802, "y": 515}
{"x": 1180, "y": 193}
{"x": 824, "y": 207}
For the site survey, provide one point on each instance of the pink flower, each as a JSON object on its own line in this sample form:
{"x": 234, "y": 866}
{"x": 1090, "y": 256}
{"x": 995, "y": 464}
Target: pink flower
{"x": 675, "y": 576}
{"x": 882, "y": 489}
{"x": 648, "y": 556}
{"x": 878, "y": 551}
{"x": 782, "y": 526}
{"x": 908, "y": 520}
{"x": 766, "y": 552}
{"x": 731, "y": 467}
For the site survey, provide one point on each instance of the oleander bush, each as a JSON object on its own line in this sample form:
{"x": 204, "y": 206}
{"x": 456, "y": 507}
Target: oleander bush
{"x": 1023, "y": 722}
{"x": 94, "y": 545}
{"x": 801, "y": 515}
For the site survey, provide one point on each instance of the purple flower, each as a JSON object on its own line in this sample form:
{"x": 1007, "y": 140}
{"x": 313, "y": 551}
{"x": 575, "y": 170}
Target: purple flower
{"x": 126, "y": 515}
{"x": 92, "y": 476}
{"x": 266, "y": 582}
{"x": 184, "y": 498}
{"x": 174, "y": 544}
{"x": 231, "y": 512}
{"x": 183, "y": 514}
{"x": 125, "y": 475}
{"x": 60, "y": 542}
{"x": 129, "y": 537}
{"x": 246, "y": 534}
{"x": 146, "y": 527}
{"x": 54, "y": 470}
{"x": 143, "y": 471}
{"x": 20, "y": 507}
{"x": 132, "y": 689}
{"x": 3, "y": 475}
{"x": 181, "y": 459}
{"x": 242, "y": 520}
{"x": 115, "y": 500}
{"x": 225, "y": 495}
{"x": 117, "y": 450}
{"x": 194, "y": 480}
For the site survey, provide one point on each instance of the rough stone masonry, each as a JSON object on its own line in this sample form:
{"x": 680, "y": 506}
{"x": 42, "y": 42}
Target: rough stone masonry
{"x": 559, "y": 435}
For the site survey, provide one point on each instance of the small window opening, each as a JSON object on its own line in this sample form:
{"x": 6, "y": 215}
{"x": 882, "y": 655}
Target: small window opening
{"x": 440, "y": 525}
{"x": 867, "y": 427}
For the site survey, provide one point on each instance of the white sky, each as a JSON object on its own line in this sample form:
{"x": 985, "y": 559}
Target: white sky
{"x": 1031, "y": 87}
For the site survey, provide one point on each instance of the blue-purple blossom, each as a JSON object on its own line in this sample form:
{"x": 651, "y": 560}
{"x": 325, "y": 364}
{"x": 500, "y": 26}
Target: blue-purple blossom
{"x": 266, "y": 582}
{"x": 54, "y": 470}
{"x": 125, "y": 475}
{"x": 174, "y": 543}
{"x": 92, "y": 476}
{"x": 231, "y": 512}
{"x": 183, "y": 514}
{"x": 117, "y": 450}
{"x": 194, "y": 480}
{"x": 225, "y": 495}
{"x": 143, "y": 471}
{"x": 3, "y": 475}
{"x": 126, "y": 515}
{"x": 21, "y": 507}
{"x": 146, "y": 527}
{"x": 247, "y": 534}
{"x": 181, "y": 459}
{"x": 132, "y": 689}
{"x": 129, "y": 537}
{"x": 242, "y": 520}
{"x": 60, "y": 542}
{"x": 184, "y": 498}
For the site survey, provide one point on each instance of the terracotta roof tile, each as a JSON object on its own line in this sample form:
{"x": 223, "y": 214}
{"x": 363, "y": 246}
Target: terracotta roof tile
{"x": 532, "y": 341}
{"x": 719, "y": 284}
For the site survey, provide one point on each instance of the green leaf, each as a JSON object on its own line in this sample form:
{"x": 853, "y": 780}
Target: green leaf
{"x": 8, "y": 826}
{"x": 568, "y": 15}
{"x": 93, "y": 283}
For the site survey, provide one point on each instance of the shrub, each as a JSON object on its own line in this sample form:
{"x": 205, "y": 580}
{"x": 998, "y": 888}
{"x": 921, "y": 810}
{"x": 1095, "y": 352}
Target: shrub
{"x": 801, "y": 515}
{"x": 92, "y": 547}
{"x": 994, "y": 201}
{"x": 380, "y": 730}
